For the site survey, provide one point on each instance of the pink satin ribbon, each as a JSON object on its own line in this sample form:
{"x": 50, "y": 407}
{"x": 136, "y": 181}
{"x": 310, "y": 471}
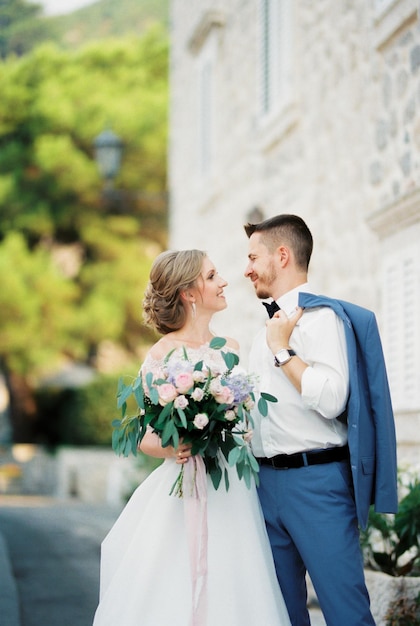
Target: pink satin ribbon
{"x": 195, "y": 511}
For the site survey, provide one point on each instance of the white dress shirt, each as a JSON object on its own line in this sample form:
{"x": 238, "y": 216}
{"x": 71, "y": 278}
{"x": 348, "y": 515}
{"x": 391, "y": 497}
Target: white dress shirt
{"x": 303, "y": 421}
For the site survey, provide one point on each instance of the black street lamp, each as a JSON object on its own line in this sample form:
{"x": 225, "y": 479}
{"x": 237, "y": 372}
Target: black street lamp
{"x": 108, "y": 151}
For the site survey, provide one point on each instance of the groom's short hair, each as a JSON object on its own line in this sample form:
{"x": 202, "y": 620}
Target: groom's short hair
{"x": 285, "y": 229}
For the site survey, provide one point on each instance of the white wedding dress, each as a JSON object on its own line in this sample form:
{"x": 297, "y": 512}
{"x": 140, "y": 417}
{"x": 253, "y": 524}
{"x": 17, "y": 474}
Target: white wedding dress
{"x": 145, "y": 566}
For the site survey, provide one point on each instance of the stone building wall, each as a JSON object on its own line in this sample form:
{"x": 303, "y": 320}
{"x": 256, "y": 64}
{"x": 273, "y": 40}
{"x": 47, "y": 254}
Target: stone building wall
{"x": 342, "y": 151}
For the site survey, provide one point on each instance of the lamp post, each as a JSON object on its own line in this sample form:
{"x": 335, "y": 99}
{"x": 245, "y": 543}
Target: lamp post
{"x": 108, "y": 152}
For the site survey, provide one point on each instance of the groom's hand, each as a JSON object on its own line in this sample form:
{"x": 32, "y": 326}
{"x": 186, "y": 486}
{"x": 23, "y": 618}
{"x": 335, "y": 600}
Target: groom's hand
{"x": 280, "y": 328}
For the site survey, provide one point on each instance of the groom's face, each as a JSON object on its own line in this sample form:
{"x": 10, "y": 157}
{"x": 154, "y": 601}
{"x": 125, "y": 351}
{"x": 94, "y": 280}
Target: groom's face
{"x": 261, "y": 268}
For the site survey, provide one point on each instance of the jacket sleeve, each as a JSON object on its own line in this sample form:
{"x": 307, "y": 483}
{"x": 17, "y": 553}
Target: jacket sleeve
{"x": 385, "y": 490}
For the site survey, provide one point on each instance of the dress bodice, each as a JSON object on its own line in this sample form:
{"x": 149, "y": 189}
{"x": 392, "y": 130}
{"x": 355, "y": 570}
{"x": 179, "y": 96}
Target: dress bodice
{"x": 211, "y": 358}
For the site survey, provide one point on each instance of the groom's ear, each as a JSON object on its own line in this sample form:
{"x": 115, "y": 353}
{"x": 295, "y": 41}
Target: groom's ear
{"x": 283, "y": 255}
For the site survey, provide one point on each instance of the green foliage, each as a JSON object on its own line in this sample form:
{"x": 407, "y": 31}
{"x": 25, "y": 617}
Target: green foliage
{"x": 33, "y": 299}
{"x": 107, "y": 18}
{"x": 221, "y": 416}
{"x": 391, "y": 543}
{"x": 404, "y": 612}
{"x": 77, "y": 416}
{"x": 19, "y": 30}
{"x": 53, "y": 105}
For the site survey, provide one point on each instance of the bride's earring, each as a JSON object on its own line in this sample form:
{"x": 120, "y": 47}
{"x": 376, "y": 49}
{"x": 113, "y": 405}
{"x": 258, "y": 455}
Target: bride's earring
{"x": 194, "y": 310}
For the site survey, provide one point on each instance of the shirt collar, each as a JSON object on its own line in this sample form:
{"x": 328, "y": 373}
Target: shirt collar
{"x": 289, "y": 301}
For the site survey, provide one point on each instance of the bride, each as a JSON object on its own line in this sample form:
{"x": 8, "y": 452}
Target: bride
{"x": 150, "y": 573}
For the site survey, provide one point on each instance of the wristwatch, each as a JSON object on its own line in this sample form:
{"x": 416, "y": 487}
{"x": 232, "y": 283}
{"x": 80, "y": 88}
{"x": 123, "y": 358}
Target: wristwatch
{"x": 283, "y": 356}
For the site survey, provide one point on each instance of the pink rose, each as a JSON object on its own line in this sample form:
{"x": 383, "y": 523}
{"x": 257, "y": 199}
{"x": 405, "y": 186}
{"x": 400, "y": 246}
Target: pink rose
{"x": 184, "y": 382}
{"x": 216, "y": 386}
{"x": 200, "y": 421}
{"x": 181, "y": 402}
{"x": 197, "y": 394}
{"x": 225, "y": 396}
{"x": 167, "y": 393}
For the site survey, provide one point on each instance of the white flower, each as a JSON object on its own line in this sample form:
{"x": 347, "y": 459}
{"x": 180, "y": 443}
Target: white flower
{"x": 249, "y": 404}
{"x": 180, "y": 402}
{"x": 197, "y": 394}
{"x": 201, "y": 420}
{"x": 216, "y": 386}
{"x": 199, "y": 376}
{"x": 230, "y": 415}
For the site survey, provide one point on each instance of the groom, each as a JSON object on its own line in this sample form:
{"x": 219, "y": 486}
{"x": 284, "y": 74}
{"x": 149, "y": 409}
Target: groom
{"x": 327, "y": 449}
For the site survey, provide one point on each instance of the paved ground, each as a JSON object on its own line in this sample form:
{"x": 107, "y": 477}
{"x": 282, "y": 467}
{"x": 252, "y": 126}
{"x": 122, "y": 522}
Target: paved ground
{"x": 49, "y": 561}
{"x": 53, "y": 549}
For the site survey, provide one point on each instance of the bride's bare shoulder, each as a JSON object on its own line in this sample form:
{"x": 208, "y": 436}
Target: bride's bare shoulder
{"x": 161, "y": 348}
{"x": 232, "y": 343}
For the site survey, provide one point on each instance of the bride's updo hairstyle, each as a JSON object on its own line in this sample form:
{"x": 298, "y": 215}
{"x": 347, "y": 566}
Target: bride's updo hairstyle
{"x": 171, "y": 274}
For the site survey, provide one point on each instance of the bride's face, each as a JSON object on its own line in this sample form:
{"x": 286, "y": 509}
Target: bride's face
{"x": 210, "y": 288}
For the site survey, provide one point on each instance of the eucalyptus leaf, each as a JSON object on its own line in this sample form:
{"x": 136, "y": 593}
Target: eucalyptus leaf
{"x": 230, "y": 359}
{"x": 138, "y": 381}
{"x": 125, "y": 393}
{"x": 247, "y": 476}
{"x": 153, "y": 395}
{"x": 253, "y": 462}
{"x": 234, "y": 456}
{"x": 216, "y": 477}
{"x": 263, "y": 406}
{"x": 139, "y": 396}
{"x": 268, "y": 397}
{"x": 217, "y": 342}
{"x": 182, "y": 417}
{"x": 227, "y": 484}
{"x": 167, "y": 433}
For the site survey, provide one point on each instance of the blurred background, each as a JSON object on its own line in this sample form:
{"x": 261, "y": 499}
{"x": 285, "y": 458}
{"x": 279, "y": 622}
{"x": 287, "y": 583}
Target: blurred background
{"x": 83, "y": 212}
{"x": 130, "y": 126}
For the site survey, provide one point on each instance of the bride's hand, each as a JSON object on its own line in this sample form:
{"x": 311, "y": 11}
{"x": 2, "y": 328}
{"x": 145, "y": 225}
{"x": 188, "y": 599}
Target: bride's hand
{"x": 182, "y": 453}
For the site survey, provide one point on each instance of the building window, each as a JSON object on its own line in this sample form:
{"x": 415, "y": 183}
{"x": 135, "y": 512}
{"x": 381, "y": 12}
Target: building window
{"x": 401, "y": 331}
{"x": 275, "y": 52}
{"x": 205, "y": 115}
{"x": 203, "y": 44}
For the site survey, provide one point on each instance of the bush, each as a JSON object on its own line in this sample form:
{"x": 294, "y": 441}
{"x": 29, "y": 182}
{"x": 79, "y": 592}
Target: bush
{"x": 404, "y": 612}
{"x": 78, "y": 416}
{"x": 391, "y": 543}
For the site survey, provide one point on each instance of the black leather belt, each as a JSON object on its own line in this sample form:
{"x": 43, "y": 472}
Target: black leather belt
{"x": 301, "y": 459}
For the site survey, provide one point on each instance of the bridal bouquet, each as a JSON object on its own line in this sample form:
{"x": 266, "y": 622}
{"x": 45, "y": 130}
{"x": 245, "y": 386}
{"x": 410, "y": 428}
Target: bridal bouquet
{"x": 198, "y": 404}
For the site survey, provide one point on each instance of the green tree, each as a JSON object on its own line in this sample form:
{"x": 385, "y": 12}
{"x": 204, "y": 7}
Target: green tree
{"x": 20, "y": 30}
{"x": 53, "y": 105}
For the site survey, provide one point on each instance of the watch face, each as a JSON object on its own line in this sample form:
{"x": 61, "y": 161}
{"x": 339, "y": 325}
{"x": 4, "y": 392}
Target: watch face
{"x": 283, "y": 355}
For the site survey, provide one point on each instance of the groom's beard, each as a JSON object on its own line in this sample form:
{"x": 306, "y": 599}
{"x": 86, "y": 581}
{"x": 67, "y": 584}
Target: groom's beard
{"x": 265, "y": 282}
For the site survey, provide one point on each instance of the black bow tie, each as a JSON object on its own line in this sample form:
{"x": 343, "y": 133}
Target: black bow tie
{"x": 271, "y": 307}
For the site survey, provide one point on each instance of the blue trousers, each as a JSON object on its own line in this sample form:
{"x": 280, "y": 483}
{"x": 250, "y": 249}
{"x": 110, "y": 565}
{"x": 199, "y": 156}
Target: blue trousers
{"x": 311, "y": 521}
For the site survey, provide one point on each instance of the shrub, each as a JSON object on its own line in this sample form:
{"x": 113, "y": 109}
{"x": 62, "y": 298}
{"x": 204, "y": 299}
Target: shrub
{"x": 404, "y": 612}
{"x": 391, "y": 543}
{"x": 78, "y": 416}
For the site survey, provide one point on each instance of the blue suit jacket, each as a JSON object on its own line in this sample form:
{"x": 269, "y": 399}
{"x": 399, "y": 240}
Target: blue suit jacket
{"x": 371, "y": 428}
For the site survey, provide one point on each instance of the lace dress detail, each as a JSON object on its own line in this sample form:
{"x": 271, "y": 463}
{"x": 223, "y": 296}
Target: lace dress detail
{"x": 211, "y": 357}
{"x": 145, "y": 568}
